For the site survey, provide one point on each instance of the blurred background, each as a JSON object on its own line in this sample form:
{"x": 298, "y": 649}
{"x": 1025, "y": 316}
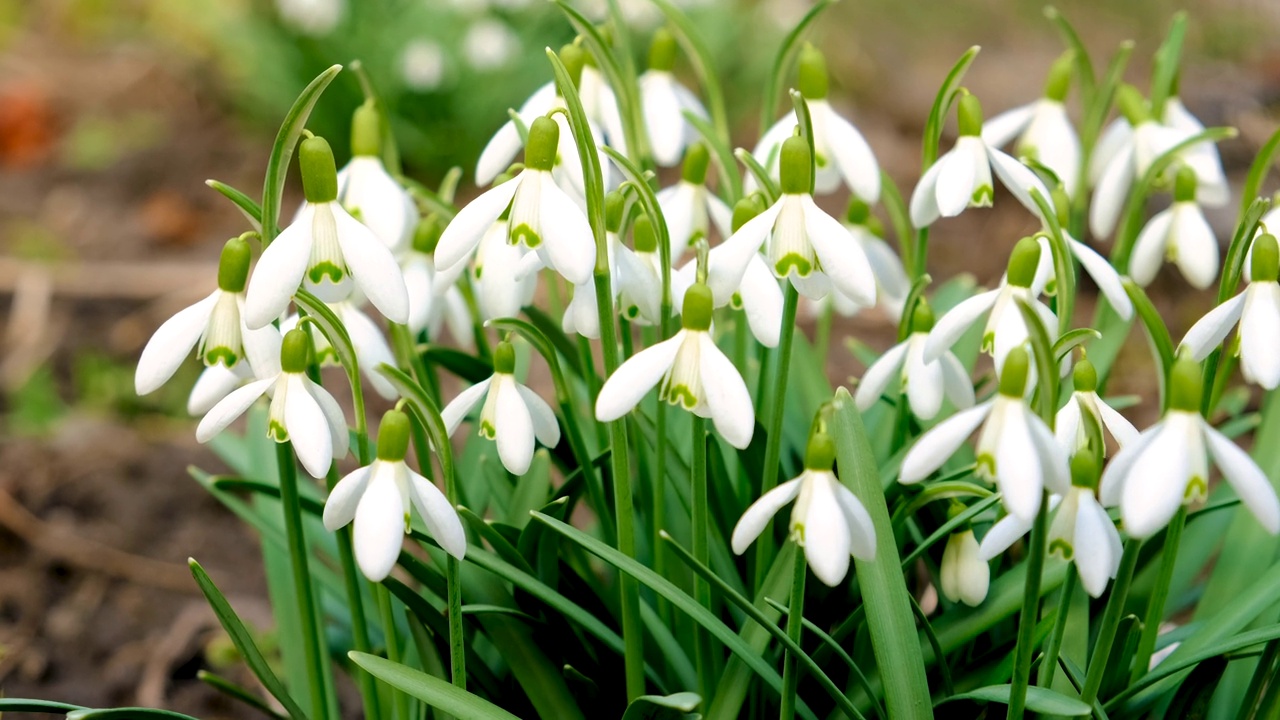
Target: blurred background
{"x": 113, "y": 113}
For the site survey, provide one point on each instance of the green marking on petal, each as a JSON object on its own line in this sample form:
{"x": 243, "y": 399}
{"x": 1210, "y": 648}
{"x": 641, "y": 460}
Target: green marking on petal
{"x": 487, "y": 430}
{"x": 795, "y": 261}
{"x": 1197, "y": 489}
{"x": 988, "y": 342}
{"x": 318, "y": 272}
{"x": 328, "y": 356}
{"x": 680, "y": 395}
{"x": 523, "y": 234}
{"x": 735, "y": 301}
{"x": 983, "y": 196}
{"x": 224, "y": 355}
{"x": 406, "y": 523}
{"x": 985, "y": 465}
{"x": 1062, "y": 547}
{"x": 277, "y": 432}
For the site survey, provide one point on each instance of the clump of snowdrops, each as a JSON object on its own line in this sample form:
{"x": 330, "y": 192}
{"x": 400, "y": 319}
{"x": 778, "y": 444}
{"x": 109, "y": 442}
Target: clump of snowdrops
{"x": 635, "y": 532}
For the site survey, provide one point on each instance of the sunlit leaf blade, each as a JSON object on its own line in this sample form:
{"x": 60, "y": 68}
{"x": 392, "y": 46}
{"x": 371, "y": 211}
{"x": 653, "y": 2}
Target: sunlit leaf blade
{"x": 295, "y": 121}
{"x": 1039, "y": 700}
{"x": 433, "y": 691}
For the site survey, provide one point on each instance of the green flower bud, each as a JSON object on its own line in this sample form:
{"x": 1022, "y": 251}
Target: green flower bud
{"x": 662, "y": 51}
{"x": 1184, "y": 185}
{"x": 820, "y": 454}
{"x": 319, "y": 174}
{"x": 969, "y": 113}
{"x": 1059, "y": 82}
{"x": 696, "y": 314}
{"x": 574, "y": 58}
{"x": 922, "y": 317}
{"x": 1013, "y": 376}
{"x": 393, "y": 436}
{"x": 858, "y": 212}
{"x": 1132, "y": 105}
{"x": 1023, "y": 262}
{"x": 1186, "y": 385}
{"x": 427, "y": 234}
{"x": 745, "y": 209}
{"x": 643, "y": 235}
{"x": 366, "y": 130}
{"x": 813, "y": 82}
{"x": 1265, "y": 264}
{"x": 796, "y": 166}
{"x": 614, "y": 204}
{"x": 294, "y": 351}
{"x": 1084, "y": 470}
{"x": 504, "y": 358}
{"x": 544, "y": 142}
{"x": 1084, "y": 377}
{"x": 696, "y": 160}
{"x": 233, "y": 266}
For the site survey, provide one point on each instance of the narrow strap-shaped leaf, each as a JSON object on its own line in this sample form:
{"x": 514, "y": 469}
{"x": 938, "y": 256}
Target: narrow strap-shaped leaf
{"x": 237, "y": 692}
{"x": 1157, "y": 333}
{"x": 1039, "y": 700}
{"x": 36, "y": 706}
{"x": 1042, "y": 356}
{"x": 247, "y": 205}
{"x": 1168, "y": 56}
{"x": 1070, "y": 38}
{"x": 1072, "y": 339}
{"x": 767, "y": 185}
{"x": 942, "y": 106}
{"x": 945, "y": 529}
{"x": 433, "y": 691}
{"x": 243, "y": 640}
{"x": 896, "y": 208}
{"x": 1064, "y": 265}
{"x": 782, "y": 62}
{"x": 127, "y": 713}
{"x": 282, "y": 150}
{"x": 550, "y": 329}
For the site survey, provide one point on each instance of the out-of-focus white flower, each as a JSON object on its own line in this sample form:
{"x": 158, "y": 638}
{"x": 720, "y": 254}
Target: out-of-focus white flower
{"x": 664, "y": 101}
{"x": 489, "y": 45}
{"x": 924, "y": 384}
{"x": 368, "y": 191}
{"x": 434, "y": 297}
{"x": 311, "y": 17}
{"x": 689, "y": 208}
{"x": 1179, "y": 234}
{"x": 371, "y": 347}
{"x": 964, "y": 575}
{"x": 423, "y": 65}
{"x": 1042, "y": 129}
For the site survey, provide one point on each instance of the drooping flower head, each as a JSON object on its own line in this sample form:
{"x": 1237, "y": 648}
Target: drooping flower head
{"x": 434, "y": 297}
{"x": 964, "y": 575}
{"x": 665, "y": 101}
{"x": 1086, "y": 415}
{"x": 1041, "y": 129}
{"x": 368, "y": 191}
{"x": 923, "y": 384}
{"x": 690, "y": 209}
{"x": 1082, "y": 532}
{"x": 379, "y": 499}
{"x": 1180, "y": 235}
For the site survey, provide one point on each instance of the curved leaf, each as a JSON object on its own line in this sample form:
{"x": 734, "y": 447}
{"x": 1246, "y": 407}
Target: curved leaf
{"x": 1039, "y": 700}
{"x": 282, "y": 150}
{"x": 431, "y": 690}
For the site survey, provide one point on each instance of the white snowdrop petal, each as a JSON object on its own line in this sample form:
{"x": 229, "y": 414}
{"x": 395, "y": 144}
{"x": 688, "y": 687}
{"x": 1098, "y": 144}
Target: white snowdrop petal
{"x": 974, "y": 574}
{"x": 378, "y": 532}
{"x": 372, "y": 350}
{"x": 1120, "y": 428}
{"x": 340, "y": 508}
{"x": 727, "y": 262}
{"x": 949, "y": 328}
{"x": 635, "y": 377}
{"x": 1197, "y": 255}
{"x": 545, "y": 427}
{"x": 1093, "y": 546}
{"x": 215, "y": 383}
{"x": 862, "y": 531}
{"x": 1210, "y": 330}
{"x": 229, "y": 408}
{"x": 853, "y": 157}
{"x": 956, "y": 178}
{"x": 1018, "y": 179}
{"x": 1002, "y": 535}
{"x": 727, "y": 396}
{"x": 1066, "y": 424}
{"x": 308, "y": 430}
{"x": 842, "y": 260}
{"x": 1149, "y": 249}
{"x": 373, "y": 268}
{"x": 171, "y": 344}
{"x": 924, "y": 382}
{"x": 514, "y": 427}
{"x": 721, "y": 215}
{"x": 1056, "y": 144}
{"x": 924, "y": 199}
{"x": 937, "y": 445}
{"x": 757, "y": 516}
{"x": 1112, "y": 141}
{"x": 333, "y": 418}
{"x": 662, "y": 116}
{"x": 439, "y": 516}
{"x": 959, "y": 387}
{"x": 385, "y": 208}
{"x": 279, "y": 272}
{"x": 1110, "y": 195}
{"x": 1019, "y": 471}
{"x": 762, "y": 302}
{"x": 498, "y": 153}
{"x": 459, "y": 407}
{"x": 891, "y": 277}
{"x": 567, "y": 235}
{"x": 1053, "y": 458}
{"x": 875, "y": 382}
{"x": 1105, "y": 276}
{"x": 676, "y": 203}
{"x": 826, "y": 533}
{"x": 1246, "y": 478}
{"x": 1260, "y": 334}
{"x": 1116, "y": 474}
{"x": 463, "y": 234}
{"x": 1152, "y": 495}
{"x": 1000, "y": 129}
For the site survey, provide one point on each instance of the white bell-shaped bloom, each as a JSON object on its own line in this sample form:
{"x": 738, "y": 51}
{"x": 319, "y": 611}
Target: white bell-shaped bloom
{"x": 1203, "y": 157}
{"x": 691, "y": 372}
{"x": 326, "y": 251}
{"x": 379, "y": 497}
{"x": 924, "y": 384}
{"x": 757, "y": 296}
{"x": 372, "y": 349}
{"x": 1083, "y": 533}
{"x": 1084, "y": 409}
{"x": 368, "y": 191}
{"x": 434, "y": 298}
{"x": 665, "y": 101}
{"x": 315, "y": 18}
{"x": 1042, "y": 130}
{"x": 499, "y": 276}
{"x": 828, "y": 520}
{"x": 540, "y": 216}
{"x": 513, "y": 416}
{"x": 690, "y": 209}
{"x": 600, "y": 104}
{"x": 1179, "y": 234}
{"x": 301, "y": 411}
{"x": 1256, "y": 311}
{"x": 964, "y": 576}
{"x": 1168, "y": 464}
{"x": 961, "y": 178}
{"x": 892, "y": 283}
{"x": 1097, "y": 267}
{"x": 1006, "y": 328}
{"x": 803, "y": 244}
{"x": 215, "y": 327}
{"x": 1015, "y": 449}
{"x": 841, "y": 154}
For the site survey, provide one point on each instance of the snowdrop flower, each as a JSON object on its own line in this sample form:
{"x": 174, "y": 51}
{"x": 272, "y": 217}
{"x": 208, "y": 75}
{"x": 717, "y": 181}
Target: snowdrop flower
{"x": 301, "y": 411}
{"x": 1179, "y": 234}
{"x": 1085, "y": 411}
{"x": 1168, "y": 464}
{"x": 215, "y": 327}
{"x": 1098, "y": 267}
{"x": 1042, "y": 129}
{"x": 1257, "y": 311}
{"x": 691, "y": 372}
{"x": 962, "y": 177}
{"x": 503, "y": 284}
{"x": 326, "y": 251}
{"x": 636, "y": 284}
{"x": 434, "y": 297}
{"x": 599, "y": 101}
{"x": 923, "y": 384}
{"x": 664, "y": 101}
{"x": 541, "y": 216}
{"x": 582, "y": 316}
{"x": 512, "y": 415}
{"x": 316, "y": 18}
{"x": 690, "y": 208}
{"x": 964, "y": 575}
{"x": 1271, "y": 219}
{"x": 1005, "y": 329}
{"x": 371, "y": 347}
{"x": 757, "y": 296}
{"x": 828, "y": 520}
{"x": 1125, "y": 152}
{"x": 892, "y": 283}
{"x": 841, "y": 153}
{"x": 489, "y": 44}
{"x": 802, "y": 243}
{"x": 423, "y": 65}
{"x": 368, "y": 191}
{"x": 1082, "y": 532}
{"x": 1015, "y": 449}
{"x": 378, "y": 498}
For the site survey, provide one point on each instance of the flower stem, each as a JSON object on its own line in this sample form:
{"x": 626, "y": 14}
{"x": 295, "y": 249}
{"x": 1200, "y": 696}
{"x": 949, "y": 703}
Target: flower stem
{"x": 355, "y": 603}
{"x": 302, "y": 587}
{"x": 776, "y": 408}
{"x": 1110, "y": 622}
{"x": 701, "y": 553}
{"x": 399, "y": 701}
{"x": 1155, "y": 607}
{"x": 1030, "y": 610}
{"x": 1054, "y": 645}
{"x": 795, "y": 625}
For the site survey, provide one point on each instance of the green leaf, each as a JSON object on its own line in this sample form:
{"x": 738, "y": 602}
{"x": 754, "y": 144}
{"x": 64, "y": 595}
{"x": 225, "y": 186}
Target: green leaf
{"x": 433, "y": 691}
{"x": 1064, "y": 266}
{"x": 126, "y": 713}
{"x": 945, "y": 529}
{"x": 1073, "y": 339}
{"x": 550, "y": 329}
{"x": 237, "y": 692}
{"x": 1084, "y": 65}
{"x": 730, "y": 181}
{"x": 663, "y": 707}
{"x": 884, "y": 590}
{"x": 468, "y": 367}
{"x": 1099, "y": 106}
{"x": 942, "y": 106}
{"x": 282, "y": 150}
{"x": 1157, "y": 333}
{"x": 1042, "y": 355}
{"x": 1039, "y": 700}
{"x": 243, "y": 640}
{"x": 777, "y": 78}
{"x": 1258, "y": 171}
{"x": 896, "y": 208}
{"x": 767, "y": 185}
{"x": 247, "y": 205}
{"x": 36, "y": 706}
{"x": 1167, "y": 58}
